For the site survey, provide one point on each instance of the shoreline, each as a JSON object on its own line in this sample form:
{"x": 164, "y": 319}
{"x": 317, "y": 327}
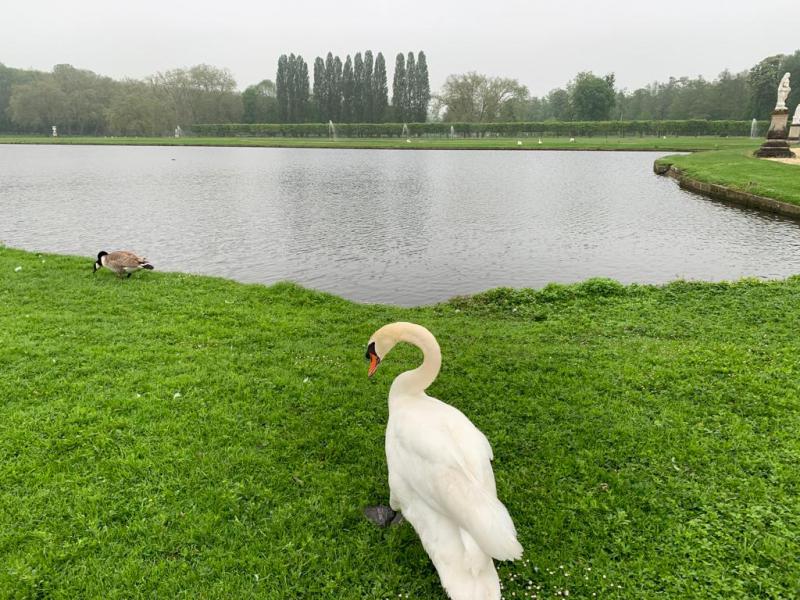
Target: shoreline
{"x": 711, "y": 183}
{"x": 726, "y": 194}
{"x": 607, "y": 285}
{"x": 632, "y": 144}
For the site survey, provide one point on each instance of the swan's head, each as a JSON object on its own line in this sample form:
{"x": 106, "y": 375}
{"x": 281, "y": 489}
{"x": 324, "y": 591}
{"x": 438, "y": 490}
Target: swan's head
{"x": 381, "y": 342}
{"x": 99, "y": 263}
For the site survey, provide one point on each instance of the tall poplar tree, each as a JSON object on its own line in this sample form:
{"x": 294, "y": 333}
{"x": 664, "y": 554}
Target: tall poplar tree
{"x": 330, "y": 88}
{"x": 347, "y": 90}
{"x": 367, "y": 90}
{"x": 411, "y": 87}
{"x": 302, "y": 90}
{"x": 422, "y": 89}
{"x": 358, "y": 91}
{"x": 292, "y": 77}
{"x": 282, "y": 88}
{"x": 336, "y": 90}
{"x": 320, "y": 99}
{"x": 380, "y": 90}
{"x": 399, "y": 88}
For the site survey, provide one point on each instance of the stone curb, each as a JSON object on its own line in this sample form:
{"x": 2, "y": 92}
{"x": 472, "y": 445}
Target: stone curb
{"x": 720, "y": 192}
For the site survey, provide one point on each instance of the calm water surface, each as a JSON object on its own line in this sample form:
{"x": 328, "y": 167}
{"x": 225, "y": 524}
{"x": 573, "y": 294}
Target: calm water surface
{"x": 403, "y": 227}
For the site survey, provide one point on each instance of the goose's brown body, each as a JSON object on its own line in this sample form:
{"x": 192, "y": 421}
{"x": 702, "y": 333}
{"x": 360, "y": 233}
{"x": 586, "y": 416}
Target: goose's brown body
{"x": 122, "y": 262}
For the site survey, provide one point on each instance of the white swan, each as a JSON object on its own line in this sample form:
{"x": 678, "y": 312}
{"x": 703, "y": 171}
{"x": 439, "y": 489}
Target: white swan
{"x": 440, "y": 474}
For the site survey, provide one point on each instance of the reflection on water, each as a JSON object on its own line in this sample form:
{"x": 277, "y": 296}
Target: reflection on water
{"x": 404, "y": 227}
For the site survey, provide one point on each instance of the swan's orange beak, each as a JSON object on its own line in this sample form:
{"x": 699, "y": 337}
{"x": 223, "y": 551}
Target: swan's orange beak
{"x": 374, "y": 361}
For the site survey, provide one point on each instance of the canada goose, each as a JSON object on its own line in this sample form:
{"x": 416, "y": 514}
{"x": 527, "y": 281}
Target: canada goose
{"x": 440, "y": 475}
{"x": 120, "y": 262}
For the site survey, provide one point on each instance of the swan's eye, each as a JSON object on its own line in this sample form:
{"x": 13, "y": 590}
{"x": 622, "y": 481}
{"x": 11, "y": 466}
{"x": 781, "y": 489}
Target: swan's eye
{"x": 370, "y": 351}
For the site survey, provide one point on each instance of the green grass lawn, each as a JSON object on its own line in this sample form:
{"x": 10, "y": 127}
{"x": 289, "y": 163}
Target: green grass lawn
{"x": 740, "y": 170}
{"x": 548, "y": 143}
{"x": 177, "y": 436}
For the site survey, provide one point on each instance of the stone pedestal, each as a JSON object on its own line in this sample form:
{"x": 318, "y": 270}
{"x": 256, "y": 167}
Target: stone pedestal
{"x": 794, "y": 133}
{"x": 776, "y": 145}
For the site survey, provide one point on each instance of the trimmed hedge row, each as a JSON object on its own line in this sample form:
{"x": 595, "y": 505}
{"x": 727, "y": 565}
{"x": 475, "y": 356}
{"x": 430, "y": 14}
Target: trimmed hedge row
{"x": 693, "y": 127}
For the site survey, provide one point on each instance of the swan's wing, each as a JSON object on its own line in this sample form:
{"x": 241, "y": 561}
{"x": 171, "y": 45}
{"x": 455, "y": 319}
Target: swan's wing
{"x": 445, "y": 459}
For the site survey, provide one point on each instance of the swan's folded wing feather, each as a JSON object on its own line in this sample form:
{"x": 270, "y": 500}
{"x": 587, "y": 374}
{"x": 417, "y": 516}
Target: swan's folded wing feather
{"x": 446, "y": 461}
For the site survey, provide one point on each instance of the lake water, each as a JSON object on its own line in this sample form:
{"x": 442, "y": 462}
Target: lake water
{"x": 402, "y": 227}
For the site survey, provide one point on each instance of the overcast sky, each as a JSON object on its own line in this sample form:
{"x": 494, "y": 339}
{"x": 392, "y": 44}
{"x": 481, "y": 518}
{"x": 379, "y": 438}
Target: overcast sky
{"x": 542, "y": 43}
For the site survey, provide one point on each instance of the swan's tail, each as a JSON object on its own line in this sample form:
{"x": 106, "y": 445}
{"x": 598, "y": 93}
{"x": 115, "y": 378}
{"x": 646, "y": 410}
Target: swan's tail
{"x": 487, "y": 520}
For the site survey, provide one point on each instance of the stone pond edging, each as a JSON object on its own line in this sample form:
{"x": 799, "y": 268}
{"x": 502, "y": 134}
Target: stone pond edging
{"x": 720, "y": 192}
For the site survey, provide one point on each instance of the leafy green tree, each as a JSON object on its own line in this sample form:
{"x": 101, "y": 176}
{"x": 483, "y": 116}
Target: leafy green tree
{"x": 10, "y": 77}
{"x": 411, "y": 87}
{"x": 476, "y": 98}
{"x": 260, "y": 103}
{"x": 38, "y": 105}
{"x": 791, "y": 64}
{"x": 560, "y": 107}
{"x": 138, "y": 109}
{"x": 762, "y": 82}
{"x": 358, "y": 88}
{"x": 592, "y": 97}
{"x": 399, "y": 86}
{"x": 201, "y": 94}
{"x": 380, "y": 89}
{"x": 348, "y": 90}
{"x": 422, "y": 89}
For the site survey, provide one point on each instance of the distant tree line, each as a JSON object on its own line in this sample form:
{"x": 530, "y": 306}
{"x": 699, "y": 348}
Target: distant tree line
{"x": 80, "y": 102}
{"x": 474, "y": 97}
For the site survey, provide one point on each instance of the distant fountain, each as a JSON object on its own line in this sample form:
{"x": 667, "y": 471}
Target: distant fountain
{"x": 331, "y": 130}
{"x": 754, "y": 129}
{"x": 55, "y": 131}
{"x": 452, "y": 132}
{"x": 178, "y": 132}
{"x": 405, "y": 130}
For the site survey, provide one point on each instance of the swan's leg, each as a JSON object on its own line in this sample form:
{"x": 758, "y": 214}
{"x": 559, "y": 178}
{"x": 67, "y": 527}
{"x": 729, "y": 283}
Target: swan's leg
{"x": 383, "y": 516}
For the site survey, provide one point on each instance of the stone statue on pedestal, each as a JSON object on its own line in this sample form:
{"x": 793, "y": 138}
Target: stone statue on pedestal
{"x": 794, "y": 130}
{"x": 783, "y": 92}
{"x": 777, "y": 145}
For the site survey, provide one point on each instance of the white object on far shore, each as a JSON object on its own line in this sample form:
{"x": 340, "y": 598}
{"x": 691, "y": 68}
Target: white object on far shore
{"x": 783, "y": 92}
{"x": 17, "y": 270}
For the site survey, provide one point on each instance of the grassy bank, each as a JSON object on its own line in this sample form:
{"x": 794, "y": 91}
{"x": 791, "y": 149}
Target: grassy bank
{"x": 677, "y": 144}
{"x": 181, "y": 436}
{"x": 739, "y": 170}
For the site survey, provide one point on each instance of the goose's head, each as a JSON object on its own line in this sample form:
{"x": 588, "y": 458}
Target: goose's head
{"x": 99, "y": 262}
{"x": 381, "y": 342}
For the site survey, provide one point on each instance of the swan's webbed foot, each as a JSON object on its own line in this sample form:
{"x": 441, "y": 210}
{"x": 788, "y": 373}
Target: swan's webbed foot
{"x": 383, "y": 516}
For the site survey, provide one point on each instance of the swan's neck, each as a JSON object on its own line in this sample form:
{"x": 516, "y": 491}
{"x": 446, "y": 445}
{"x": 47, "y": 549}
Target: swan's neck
{"x": 416, "y": 381}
